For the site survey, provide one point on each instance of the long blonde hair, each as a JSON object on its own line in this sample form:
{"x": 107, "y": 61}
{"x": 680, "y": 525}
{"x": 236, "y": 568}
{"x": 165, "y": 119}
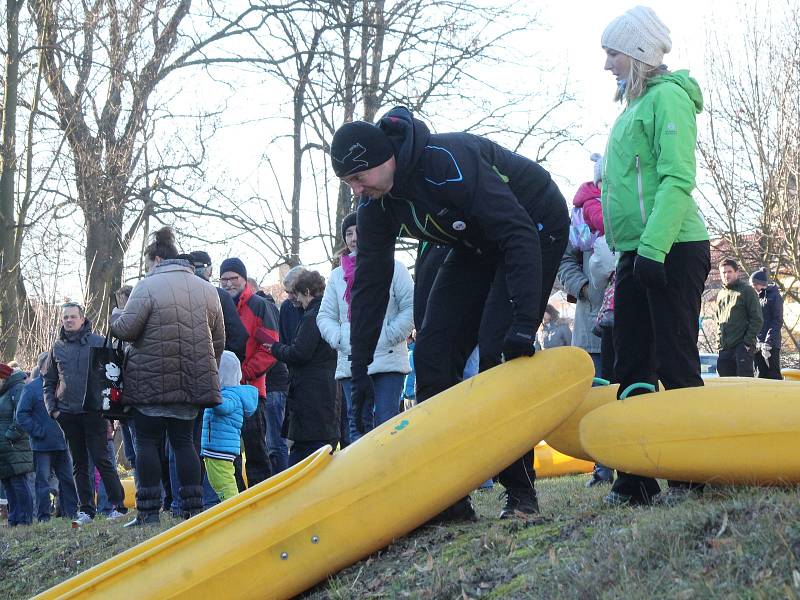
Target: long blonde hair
{"x": 636, "y": 83}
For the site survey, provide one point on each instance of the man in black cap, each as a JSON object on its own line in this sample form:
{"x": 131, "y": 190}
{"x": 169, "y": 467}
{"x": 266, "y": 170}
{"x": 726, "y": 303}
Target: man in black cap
{"x": 768, "y": 341}
{"x": 507, "y": 225}
{"x": 235, "y": 333}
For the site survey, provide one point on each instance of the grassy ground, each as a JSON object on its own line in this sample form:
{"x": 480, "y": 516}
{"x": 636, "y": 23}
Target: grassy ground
{"x": 742, "y": 543}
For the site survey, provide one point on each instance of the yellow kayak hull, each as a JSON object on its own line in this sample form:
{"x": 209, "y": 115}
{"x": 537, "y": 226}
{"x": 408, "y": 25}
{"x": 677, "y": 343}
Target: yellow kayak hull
{"x": 734, "y": 433}
{"x": 282, "y": 536}
{"x": 791, "y": 374}
{"x": 129, "y": 487}
{"x": 549, "y": 462}
{"x": 566, "y": 437}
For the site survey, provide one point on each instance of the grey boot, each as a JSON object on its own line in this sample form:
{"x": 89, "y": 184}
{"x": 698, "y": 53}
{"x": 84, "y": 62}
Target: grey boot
{"x": 191, "y": 500}
{"x": 148, "y": 503}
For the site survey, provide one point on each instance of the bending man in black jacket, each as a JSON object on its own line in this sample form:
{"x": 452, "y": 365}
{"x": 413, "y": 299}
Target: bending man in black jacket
{"x": 507, "y": 225}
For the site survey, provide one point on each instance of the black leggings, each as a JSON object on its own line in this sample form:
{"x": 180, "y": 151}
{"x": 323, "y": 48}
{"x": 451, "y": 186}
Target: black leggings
{"x": 150, "y": 435}
{"x": 655, "y": 334}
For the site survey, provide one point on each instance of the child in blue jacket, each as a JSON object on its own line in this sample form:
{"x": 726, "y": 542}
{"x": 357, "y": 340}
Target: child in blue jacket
{"x": 222, "y": 426}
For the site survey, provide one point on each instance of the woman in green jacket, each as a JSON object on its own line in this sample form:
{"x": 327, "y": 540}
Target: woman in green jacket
{"x": 652, "y": 221}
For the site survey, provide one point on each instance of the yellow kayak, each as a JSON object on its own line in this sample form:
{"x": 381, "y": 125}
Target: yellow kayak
{"x": 735, "y": 433}
{"x": 791, "y": 374}
{"x": 549, "y": 462}
{"x": 566, "y": 437}
{"x": 291, "y": 531}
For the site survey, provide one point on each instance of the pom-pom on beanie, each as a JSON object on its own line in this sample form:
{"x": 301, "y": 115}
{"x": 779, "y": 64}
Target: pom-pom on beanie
{"x": 597, "y": 159}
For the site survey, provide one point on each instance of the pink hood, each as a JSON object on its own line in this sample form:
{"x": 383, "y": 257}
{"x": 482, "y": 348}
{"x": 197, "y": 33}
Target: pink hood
{"x": 587, "y": 191}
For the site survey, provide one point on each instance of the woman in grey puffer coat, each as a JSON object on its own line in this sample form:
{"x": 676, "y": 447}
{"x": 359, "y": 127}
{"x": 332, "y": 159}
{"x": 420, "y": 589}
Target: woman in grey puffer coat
{"x": 174, "y": 323}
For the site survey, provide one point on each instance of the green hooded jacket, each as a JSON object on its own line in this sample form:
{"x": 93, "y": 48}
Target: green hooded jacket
{"x": 649, "y": 170}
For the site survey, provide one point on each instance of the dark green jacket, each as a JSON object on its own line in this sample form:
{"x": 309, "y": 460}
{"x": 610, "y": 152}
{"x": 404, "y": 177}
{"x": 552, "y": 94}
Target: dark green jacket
{"x": 16, "y": 457}
{"x": 739, "y": 316}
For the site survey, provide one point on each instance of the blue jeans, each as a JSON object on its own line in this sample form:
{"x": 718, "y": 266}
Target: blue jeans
{"x": 277, "y": 450}
{"x": 388, "y": 388}
{"x": 20, "y": 501}
{"x": 301, "y": 450}
{"x": 60, "y": 462}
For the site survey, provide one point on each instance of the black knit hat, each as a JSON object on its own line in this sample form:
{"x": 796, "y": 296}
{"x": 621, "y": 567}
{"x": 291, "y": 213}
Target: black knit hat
{"x": 759, "y": 276}
{"x": 359, "y": 146}
{"x": 199, "y": 258}
{"x": 234, "y": 265}
{"x": 347, "y": 223}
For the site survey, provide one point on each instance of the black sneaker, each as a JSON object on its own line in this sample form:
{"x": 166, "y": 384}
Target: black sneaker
{"x": 462, "y": 510}
{"x": 613, "y": 498}
{"x": 520, "y": 504}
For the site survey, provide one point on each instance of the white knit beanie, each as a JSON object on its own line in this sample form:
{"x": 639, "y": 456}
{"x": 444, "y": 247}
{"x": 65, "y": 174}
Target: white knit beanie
{"x": 640, "y": 34}
{"x": 230, "y": 370}
{"x": 597, "y": 159}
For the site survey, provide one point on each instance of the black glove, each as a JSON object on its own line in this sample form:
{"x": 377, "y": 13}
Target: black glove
{"x": 649, "y": 273}
{"x": 518, "y": 342}
{"x": 362, "y": 393}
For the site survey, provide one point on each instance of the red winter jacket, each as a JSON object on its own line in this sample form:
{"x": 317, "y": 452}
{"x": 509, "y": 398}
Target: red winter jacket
{"x": 254, "y": 313}
{"x": 588, "y": 198}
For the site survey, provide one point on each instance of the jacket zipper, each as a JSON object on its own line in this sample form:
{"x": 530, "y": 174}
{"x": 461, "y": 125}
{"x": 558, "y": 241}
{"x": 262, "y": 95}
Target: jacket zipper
{"x": 609, "y": 228}
{"x": 641, "y": 192}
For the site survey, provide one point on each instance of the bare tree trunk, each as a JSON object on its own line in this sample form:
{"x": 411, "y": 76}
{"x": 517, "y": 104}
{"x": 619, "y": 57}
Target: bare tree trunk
{"x": 104, "y": 255}
{"x": 10, "y": 274}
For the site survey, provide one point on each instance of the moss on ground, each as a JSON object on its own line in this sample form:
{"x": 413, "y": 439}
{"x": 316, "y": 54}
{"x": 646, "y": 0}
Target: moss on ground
{"x": 741, "y": 543}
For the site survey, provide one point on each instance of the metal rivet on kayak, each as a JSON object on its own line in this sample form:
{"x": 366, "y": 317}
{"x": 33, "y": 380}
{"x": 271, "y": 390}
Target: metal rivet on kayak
{"x": 315, "y": 539}
{"x": 284, "y": 555}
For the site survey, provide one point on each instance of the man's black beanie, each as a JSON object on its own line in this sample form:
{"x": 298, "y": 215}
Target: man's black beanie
{"x": 200, "y": 258}
{"x": 347, "y": 223}
{"x": 359, "y": 146}
{"x": 234, "y": 265}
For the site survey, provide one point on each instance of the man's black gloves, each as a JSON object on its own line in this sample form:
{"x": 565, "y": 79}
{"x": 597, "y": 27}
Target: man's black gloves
{"x": 362, "y": 394}
{"x": 519, "y": 341}
{"x": 649, "y": 273}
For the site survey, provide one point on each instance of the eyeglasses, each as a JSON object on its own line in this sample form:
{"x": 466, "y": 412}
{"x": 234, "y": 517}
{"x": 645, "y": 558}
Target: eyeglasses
{"x": 225, "y": 280}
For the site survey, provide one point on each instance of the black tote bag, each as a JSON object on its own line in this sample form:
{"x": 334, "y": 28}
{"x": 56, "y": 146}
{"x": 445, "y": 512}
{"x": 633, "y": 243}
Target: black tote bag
{"x": 104, "y": 381}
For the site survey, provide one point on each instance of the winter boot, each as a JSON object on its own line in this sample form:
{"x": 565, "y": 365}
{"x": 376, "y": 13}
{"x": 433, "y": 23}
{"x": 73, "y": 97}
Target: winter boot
{"x": 191, "y": 500}
{"x": 462, "y": 510}
{"x": 520, "y": 504}
{"x": 148, "y": 503}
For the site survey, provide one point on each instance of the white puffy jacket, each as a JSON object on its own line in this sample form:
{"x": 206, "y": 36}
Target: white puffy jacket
{"x": 391, "y": 353}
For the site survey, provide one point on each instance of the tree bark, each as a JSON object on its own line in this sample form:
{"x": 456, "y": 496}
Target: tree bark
{"x": 10, "y": 274}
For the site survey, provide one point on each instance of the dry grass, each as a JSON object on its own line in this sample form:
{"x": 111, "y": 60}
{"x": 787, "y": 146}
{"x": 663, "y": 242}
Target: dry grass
{"x": 734, "y": 543}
